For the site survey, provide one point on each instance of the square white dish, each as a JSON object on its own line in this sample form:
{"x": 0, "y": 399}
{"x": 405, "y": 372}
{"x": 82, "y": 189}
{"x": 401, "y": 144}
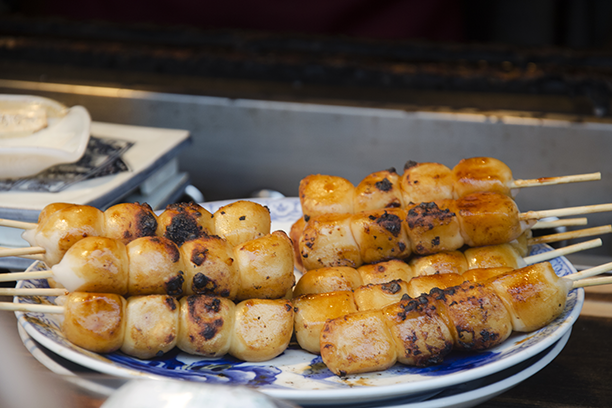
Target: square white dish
{"x": 62, "y": 139}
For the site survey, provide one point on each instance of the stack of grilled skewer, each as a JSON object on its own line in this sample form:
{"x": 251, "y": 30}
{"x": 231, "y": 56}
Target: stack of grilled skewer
{"x": 185, "y": 269}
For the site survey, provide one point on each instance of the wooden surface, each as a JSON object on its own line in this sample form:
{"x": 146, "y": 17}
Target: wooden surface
{"x": 580, "y": 376}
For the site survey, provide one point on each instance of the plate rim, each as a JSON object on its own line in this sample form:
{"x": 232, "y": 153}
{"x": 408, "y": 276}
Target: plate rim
{"x": 36, "y": 350}
{"x": 495, "y": 388}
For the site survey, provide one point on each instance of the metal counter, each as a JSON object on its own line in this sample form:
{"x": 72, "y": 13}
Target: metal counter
{"x": 241, "y": 145}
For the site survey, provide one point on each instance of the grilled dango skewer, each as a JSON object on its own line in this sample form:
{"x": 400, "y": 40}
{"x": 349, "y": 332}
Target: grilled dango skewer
{"x": 420, "y": 182}
{"x": 260, "y": 268}
{"x": 312, "y": 309}
{"x": 331, "y": 279}
{"x": 61, "y": 225}
{"x": 149, "y": 326}
{"x": 478, "y": 316}
{"x": 399, "y": 320}
{"x": 475, "y": 220}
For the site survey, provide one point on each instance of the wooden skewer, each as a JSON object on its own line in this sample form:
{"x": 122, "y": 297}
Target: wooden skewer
{"x": 587, "y": 273}
{"x": 547, "y": 181}
{"x": 562, "y": 212}
{"x": 11, "y": 277}
{"x": 33, "y": 292}
{"x": 593, "y": 282}
{"x": 563, "y": 222}
{"x": 17, "y": 224}
{"x": 37, "y": 257}
{"x": 561, "y": 236}
{"x": 30, "y": 307}
{"x": 570, "y": 249}
{"x": 21, "y": 251}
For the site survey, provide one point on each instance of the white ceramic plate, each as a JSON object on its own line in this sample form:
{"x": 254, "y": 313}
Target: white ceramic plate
{"x": 460, "y": 396}
{"x": 80, "y": 376}
{"x": 301, "y": 377}
{"x": 63, "y": 140}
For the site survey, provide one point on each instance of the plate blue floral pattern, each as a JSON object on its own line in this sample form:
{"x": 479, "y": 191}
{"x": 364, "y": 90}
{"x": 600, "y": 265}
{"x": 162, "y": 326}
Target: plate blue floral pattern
{"x": 297, "y": 375}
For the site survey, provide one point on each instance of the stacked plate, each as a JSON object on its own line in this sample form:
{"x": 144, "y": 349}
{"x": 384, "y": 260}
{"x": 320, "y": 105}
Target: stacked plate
{"x": 463, "y": 380}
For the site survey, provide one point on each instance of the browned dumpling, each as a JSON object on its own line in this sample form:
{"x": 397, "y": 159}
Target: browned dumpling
{"x": 329, "y": 279}
{"x": 181, "y": 222}
{"x": 380, "y": 234}
{"x": 386, "y": 271}
{"x": 433, "y": 227}
{"x": 328, "y": 241}
{"x": 423, "y": 284}
{"x": 378, "y": 190}
{"x": 155, "y": 267}
{"x": 242, "y": 221}
{"x": 426, "y": 182}
{"x": 94, "y": 264}
{"x": 480, "y": 174}
{"x": 265, "y": 266}
{"x": 375, "y": 296}
{"x": 94, "y": 321}
{"x": 479, "y": 318}
{"x": 296, "y": 231}
{"x": 262, "y": 329}
{"x": 54, "y": 284}
{"x": 151, "y": 325}
{"x": 521, "y": 244}
{"x": 492, "y": 256}
{"x": 321, "y": 194}
{"x": 127, "y": 221}
{"x": 209, "y": 267}
{"x": 484, "y": 274}
{"x": 489, "y": 219}
{"x": 63, "y": 228}
{"x": 534, "y": 295}
{"x": 311, "y": 312}
{"x": 357, "y": 343}
{"x": 206, "y": 325}
{"x": 50, "y": 209}
{"x": 441, "y": 262}
{"x": 421, "y": 335}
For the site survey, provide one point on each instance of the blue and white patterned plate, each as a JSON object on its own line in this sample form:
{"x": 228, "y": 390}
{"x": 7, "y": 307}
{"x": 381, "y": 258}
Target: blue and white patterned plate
{"x": 462, "y": 395}
{"x": 302, "y": 377}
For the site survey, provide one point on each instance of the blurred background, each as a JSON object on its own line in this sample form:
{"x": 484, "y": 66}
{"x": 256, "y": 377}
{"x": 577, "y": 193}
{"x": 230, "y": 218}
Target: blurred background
{"x": 272, "y": 91}
{"x": 361, "y": 50}
{"x": 572, "y": 23}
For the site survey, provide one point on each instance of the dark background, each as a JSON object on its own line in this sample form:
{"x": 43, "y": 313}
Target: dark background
{"x": 546, "y": 57}
{"x": 566, "y": 23}
{"x": 460, "y": 53}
